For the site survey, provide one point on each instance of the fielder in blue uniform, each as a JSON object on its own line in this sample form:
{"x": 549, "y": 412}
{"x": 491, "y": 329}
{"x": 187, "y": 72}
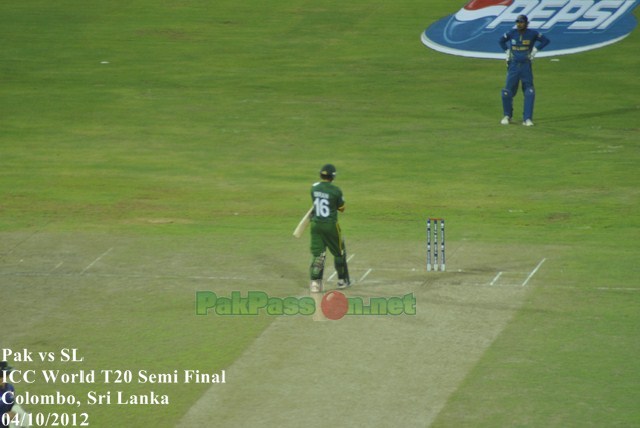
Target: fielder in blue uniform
{"x": 7, "y": 395}
{"x": 521, "y": 45}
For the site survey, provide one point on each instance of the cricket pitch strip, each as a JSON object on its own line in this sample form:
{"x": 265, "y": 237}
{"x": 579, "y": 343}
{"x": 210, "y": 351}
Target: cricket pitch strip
{"x": 375, "y": 370}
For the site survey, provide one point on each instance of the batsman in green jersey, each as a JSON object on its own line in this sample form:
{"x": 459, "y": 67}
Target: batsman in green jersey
{"x": 325, "y": 230}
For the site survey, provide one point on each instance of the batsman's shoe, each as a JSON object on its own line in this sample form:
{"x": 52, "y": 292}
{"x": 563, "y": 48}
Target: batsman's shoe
{"x": 343, "y": 283}
{"x": 316, "y": 286}
{"x": 505, "y": 120}
{"x": 527, "y": 122}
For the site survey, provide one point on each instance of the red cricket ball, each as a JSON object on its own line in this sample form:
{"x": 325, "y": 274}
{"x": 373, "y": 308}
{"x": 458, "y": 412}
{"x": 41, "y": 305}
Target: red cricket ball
{"x": 334, "y": 305}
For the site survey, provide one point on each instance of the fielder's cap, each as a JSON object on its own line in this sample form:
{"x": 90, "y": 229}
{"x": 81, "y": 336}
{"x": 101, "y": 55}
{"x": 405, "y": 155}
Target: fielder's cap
{"x": 328, "y": 170}
{"x": 522, "y": 18}
{"x": 5, "y": 367}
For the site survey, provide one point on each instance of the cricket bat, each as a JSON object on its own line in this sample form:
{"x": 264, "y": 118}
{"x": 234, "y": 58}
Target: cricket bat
{"x": 304, "y": 222}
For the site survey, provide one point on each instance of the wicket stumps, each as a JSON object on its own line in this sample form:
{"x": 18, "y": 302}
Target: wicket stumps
{"x": 432, "y": 235}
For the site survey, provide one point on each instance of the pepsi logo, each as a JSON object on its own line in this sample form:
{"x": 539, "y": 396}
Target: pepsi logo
{"x": 571, "y": 25}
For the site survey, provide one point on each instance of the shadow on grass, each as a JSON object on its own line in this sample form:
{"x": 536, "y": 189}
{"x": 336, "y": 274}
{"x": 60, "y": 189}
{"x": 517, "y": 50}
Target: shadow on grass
{"x": 596, "y": 114}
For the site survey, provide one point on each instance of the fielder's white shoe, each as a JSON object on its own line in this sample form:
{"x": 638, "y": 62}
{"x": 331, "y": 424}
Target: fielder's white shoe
{"x": 505, "y": 120}
{"x": 527, "y": 122}
{"x": 342, "y": 283}
{"x": 316, "y": 286}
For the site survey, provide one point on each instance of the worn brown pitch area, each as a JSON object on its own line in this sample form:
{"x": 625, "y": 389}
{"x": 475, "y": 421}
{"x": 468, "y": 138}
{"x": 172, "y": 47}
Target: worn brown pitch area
{"x": 378, "y": 370}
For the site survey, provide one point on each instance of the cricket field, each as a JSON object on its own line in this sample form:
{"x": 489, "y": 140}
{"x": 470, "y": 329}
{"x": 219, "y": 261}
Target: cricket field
{"x": 152, "y": 150}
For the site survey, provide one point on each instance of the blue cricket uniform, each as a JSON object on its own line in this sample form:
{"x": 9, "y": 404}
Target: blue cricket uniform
{"x": 7, "y": 399}
{"x": 520, "y": 44}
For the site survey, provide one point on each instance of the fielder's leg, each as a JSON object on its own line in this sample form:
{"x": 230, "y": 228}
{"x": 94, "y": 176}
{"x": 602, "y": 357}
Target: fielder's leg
{"x": 510, "y": 90}
{"x": 529, "y": 100}
{"x": 529, "y": 93}
{"x": 507, "y": 103}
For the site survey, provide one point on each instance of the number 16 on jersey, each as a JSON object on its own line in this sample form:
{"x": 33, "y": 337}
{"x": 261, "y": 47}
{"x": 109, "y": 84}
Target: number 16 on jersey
{"x": 321, "y": 207}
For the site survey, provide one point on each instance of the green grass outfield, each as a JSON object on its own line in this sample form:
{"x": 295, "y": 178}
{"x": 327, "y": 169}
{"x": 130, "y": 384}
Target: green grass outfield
{"x": 151, "y": 149}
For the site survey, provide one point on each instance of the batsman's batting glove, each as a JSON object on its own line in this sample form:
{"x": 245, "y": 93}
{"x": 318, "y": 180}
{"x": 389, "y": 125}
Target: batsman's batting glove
{"x": 533, "y": 53}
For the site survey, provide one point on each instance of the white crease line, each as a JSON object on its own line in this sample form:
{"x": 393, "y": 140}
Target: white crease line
{"x": 365, "y": 275}
{"x": 57, "y": 266}
{"x": 96, "y": 261}
{"x": 533, "y": 272}
{"x": 131, "y": 275}
{"x": 334, "y": 273}
{"x": 496, "y": 278}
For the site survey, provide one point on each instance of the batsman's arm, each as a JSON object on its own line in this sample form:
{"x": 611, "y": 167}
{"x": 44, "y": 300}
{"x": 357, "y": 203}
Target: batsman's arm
{"x": 304, "y": 222}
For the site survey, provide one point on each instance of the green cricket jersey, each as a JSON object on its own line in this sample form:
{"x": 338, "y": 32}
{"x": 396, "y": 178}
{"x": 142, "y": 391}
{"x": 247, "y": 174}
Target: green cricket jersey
{"x": 327, "y": 198}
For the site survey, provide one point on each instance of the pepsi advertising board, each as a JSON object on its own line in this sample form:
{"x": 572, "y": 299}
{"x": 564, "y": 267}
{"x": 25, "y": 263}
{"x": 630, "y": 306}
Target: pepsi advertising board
{"x": 572, "y": 25}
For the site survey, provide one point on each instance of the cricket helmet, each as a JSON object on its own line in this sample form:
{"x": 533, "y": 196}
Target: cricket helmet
{"x": 5, "y": 367}
{"x": 522, "y": 18}
{"x": 328, "y": 171}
